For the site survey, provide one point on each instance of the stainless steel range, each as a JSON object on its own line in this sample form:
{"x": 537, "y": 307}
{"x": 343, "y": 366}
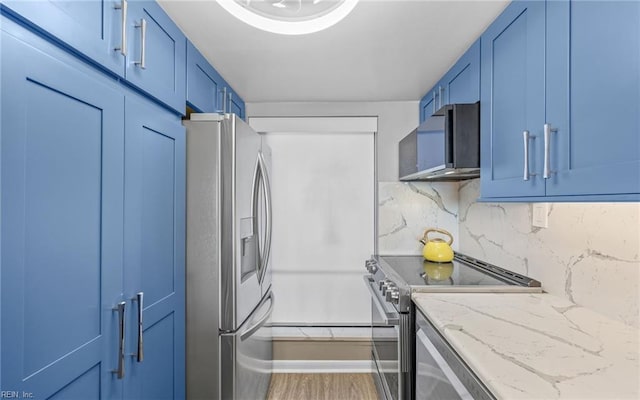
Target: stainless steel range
{"x": 392, "y": 279}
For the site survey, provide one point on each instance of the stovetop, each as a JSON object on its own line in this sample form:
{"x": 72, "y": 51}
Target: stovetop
{"x": 404, "y": 275}
{"x": 416, "y": 271}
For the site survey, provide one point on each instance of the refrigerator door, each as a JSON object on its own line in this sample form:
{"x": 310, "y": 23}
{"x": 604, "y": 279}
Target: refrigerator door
{"x": 240, "y": 289}
{"x": 246, "y": 356}
{"x": 203, "y": 256}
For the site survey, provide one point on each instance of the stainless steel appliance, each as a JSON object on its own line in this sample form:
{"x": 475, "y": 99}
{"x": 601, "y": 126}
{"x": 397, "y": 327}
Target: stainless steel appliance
{"x": 440, "y": 373}
{"x": 392, "y": 280}
{"x": 446, "y": 146}
{"x": 229, "y": 298}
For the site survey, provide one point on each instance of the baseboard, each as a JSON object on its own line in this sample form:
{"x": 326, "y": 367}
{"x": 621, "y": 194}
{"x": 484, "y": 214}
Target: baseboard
{"x": 322, "y": 366}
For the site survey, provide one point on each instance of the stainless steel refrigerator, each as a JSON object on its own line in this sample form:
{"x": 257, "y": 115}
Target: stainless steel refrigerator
{"x": 229, "y": 298}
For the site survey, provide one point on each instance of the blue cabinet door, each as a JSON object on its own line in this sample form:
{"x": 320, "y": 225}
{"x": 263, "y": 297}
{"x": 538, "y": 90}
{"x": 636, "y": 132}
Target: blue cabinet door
{"x": 62, "y": 162}
{"x": 462, "y": 82}
{"x": 163, "y": 50}
{"x": 427, "y": 106}
{"x": 512, "y": 101}
{"x": 154, "y": 237}
{"x": 93, "y": 28}
{"x": 235, "y": 104}
{"x": 593, "y": 97}
{"x": 204, "y": 84}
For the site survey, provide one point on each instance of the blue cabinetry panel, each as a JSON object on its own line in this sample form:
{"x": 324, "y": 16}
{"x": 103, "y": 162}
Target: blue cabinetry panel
{"x": 61, "y": 212}
{"x": 154, "y": 242}
{"x": 163, "y": 75}
{"x": 462, "y": 82}
{"x": 427, "y": 106}
{"x": 159, "y": 370}
{"x": 204, "y": 84}
{"x": 93, "y": 28}
{"x": 512, "y": 79}
{"x": 593, "y": 97}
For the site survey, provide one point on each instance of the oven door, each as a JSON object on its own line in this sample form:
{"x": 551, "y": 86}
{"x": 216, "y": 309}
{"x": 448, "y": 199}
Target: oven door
{"x": 385, "y": 332}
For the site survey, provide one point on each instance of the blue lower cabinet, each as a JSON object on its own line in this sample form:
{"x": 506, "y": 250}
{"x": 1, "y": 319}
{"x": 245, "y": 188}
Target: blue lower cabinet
{"x": 154, "y": 251}
{"x": 62, "y": 163}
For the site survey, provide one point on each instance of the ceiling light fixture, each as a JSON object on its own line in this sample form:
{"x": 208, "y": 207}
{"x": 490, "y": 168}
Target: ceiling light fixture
{"x": 289, "y": 17}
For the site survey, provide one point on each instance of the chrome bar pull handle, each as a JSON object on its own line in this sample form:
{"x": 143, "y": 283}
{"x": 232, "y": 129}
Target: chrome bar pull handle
{"x": 140, "y": 300}
{"x": 224, "y": 99}
{"x": 526, "y": 136}
{"x": 548, "y": 130}
{"x": 434, "y": 101}
{"x": 143, "y": 43}
{"x": 120, "y": 308}
{"x": 123, "y": 43}
{"x": 440, "y": 90}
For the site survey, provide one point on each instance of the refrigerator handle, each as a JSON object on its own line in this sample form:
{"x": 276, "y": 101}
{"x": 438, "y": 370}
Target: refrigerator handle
{"x": 268, "y": 215}
{"x": 254, "y": 327}
{"x": 254, "y": 209}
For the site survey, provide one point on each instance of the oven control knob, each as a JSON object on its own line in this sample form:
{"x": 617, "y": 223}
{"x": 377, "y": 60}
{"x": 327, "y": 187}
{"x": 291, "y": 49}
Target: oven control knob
{"x": 395, "y": 297}
{"x": 371, "y": 266}
{"x": 385, "y": 285}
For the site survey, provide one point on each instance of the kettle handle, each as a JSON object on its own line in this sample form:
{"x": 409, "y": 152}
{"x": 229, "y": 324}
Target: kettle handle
{"x": 442, "y": 231}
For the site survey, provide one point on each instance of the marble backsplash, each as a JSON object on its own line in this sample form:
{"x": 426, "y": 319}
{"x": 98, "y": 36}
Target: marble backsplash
{"x": 589, "y": 254}
{"x": 406, "y": 210}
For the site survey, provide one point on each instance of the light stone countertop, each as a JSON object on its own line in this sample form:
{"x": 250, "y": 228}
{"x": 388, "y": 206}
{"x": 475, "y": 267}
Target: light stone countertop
{"x": 538, "y": 346}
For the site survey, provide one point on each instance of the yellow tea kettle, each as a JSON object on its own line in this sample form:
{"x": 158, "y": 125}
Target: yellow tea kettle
{"x": 437, "y": 250}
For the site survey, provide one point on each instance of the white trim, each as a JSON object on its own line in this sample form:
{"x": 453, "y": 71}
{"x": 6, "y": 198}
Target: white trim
{"x": 314, "y": 124}
{"x": 322, "y": 366}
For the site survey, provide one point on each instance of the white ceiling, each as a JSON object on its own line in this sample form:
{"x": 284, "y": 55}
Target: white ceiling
{"x": 385, "y": 50}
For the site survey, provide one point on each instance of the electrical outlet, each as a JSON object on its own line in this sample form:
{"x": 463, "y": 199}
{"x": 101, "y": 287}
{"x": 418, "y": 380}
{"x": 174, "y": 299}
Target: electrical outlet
{"x": 540, "y": 217}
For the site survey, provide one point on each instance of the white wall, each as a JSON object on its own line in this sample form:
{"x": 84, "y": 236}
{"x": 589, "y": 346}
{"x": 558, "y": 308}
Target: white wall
{"x": 395, "y": 120}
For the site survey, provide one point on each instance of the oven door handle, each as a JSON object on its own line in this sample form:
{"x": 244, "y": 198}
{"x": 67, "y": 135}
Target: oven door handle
{"x": 390, "y": 318}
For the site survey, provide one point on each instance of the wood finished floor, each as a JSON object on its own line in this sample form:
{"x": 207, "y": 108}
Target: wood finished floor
{"x": 322, "y": 387}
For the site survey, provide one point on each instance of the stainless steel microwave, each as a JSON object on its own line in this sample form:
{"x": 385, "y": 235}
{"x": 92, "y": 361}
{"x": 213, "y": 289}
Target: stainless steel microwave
{"x": 446, "y": 146}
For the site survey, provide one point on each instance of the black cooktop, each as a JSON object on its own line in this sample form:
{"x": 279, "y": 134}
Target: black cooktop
{"x": 462, "y": 271}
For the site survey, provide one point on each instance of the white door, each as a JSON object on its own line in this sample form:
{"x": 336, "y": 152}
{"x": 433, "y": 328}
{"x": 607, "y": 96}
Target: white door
{"x": 323, "y": 186}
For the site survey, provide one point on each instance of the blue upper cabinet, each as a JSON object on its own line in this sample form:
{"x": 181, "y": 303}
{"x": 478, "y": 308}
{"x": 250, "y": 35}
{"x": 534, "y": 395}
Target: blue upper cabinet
{"x": 235, "y": 104}
{"x": 512, "y": 79}
{"x": 593, "y": 97}
{"x": 92, "y": 28}
{"x": 462, "y": 83}
{"x": 427, "y": 106}
{"x": 207, "y": 91}
{"x": 204, "y": 84}
{"x": 156, "y": 54}
{"x": 543, "y": 75}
